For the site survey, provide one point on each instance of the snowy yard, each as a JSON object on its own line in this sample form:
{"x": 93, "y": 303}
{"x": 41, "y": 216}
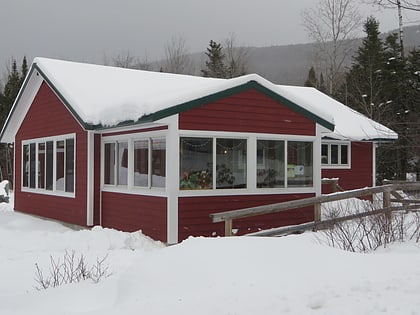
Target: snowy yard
{"x": 238, "y": 275}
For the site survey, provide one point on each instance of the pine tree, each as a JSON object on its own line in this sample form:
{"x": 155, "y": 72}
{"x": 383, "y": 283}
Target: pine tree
{"x": 215, "y": 66}
{"x": 7, "y": 98}
{"x": 364, "y": 82}
{"x": 322, "y": 87}
{"x": 311, "y": 81}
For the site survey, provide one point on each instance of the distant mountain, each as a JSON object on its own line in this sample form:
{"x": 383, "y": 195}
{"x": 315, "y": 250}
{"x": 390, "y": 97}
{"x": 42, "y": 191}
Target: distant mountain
{"x": 290, "y": 64}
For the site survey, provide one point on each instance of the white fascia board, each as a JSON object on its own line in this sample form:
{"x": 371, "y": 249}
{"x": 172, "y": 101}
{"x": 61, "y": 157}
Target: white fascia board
{"x": 21, "y": 106}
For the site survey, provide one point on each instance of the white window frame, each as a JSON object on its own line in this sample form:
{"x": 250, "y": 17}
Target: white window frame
{"x": 54, "y": 190}
{"x": 251, "y": 164}
{"x": 130, "y": 188}
{"x": 339, "y": 165}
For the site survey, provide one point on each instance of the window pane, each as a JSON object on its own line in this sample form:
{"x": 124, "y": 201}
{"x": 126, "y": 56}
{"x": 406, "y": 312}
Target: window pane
{"x": 334, "y": 154}
{"x": 230, "y": 163}
{"x": 324, "y": 153}
{"x": 59, "y": 184}
{"x": 32, "y": 160}
{"x": 141, "y": 163}
{"x": 109, "y": 176}
{"x": 270, "y": 163}
{"x": 69, "y": 165}
{"x": 49, "y": 166}
{"x": 25, "y": 166}
{"x": 41, "y": 165}
{"x": 122, "y": 163}
{"x": 196, "y": 163}
{"x": 299, "y": 164}
{"x": 158, "y": 162}
{"x": 344, "y": 154}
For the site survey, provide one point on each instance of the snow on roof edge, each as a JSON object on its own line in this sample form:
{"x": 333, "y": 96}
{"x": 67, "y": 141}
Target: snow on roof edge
{"x": 206, "y": 87}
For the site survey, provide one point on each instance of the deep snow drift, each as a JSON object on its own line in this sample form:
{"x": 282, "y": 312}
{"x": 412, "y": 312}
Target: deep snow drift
{"x": 237, "y": 275}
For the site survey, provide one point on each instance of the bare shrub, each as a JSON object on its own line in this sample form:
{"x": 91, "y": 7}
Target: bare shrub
{"x": 70, "y": 269}
{"x": 367, "y": 233}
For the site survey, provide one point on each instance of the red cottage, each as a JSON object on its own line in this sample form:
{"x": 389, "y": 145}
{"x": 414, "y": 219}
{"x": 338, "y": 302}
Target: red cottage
{"x": 138, "y": 150}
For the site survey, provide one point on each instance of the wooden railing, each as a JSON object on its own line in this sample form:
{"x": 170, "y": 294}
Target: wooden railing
{"x": 385, "y": 190}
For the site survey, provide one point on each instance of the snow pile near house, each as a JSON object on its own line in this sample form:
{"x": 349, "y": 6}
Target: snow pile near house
{"x": 237, "y": 275}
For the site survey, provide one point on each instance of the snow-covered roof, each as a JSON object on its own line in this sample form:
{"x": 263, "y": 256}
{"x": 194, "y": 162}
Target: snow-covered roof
{"x": 349, "y": 124}
{"x": 107, "y": 96}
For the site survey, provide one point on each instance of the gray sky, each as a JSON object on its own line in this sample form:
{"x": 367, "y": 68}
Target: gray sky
{"x": 89, "y": 30}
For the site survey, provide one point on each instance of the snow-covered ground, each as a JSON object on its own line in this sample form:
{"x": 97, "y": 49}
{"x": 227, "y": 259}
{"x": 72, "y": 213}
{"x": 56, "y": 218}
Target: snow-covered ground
{"x": 238, "y": 275}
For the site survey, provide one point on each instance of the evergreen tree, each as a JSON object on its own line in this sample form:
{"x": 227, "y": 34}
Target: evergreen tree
{"x": 215, "y": 66}
{"x": 311, "y": 81}
{"x": 7, "y": 98}
{"x": 364, "y": 82}
{"x": 322, "y": 87}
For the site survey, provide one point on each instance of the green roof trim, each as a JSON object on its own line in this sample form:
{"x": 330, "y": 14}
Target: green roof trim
{"x": 222, "y": 94}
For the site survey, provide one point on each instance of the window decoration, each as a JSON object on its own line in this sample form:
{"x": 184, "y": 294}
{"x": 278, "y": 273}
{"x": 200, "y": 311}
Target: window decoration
{"x": 231, "y": 163}
{"x": 199, "y": 160}
{"x": 49, "y": 164}
{"x": 270, "y": 163}
{"x": 299, "y": 164}
{"x": 196, "y": 163}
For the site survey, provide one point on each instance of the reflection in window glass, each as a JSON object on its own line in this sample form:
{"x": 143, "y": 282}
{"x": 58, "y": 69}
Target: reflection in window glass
{"x": 69, "y": 165}
{"x": 196, "y": 163}
{"x": 334, "y": 154}
{"x": 41, "y": 165}
{"x": 231, "y": 163}
{"x": 141, "y": 163}
{"x": 344, "y": 154}
{"x": 122, "y": 163}
{"x": 25, "y": 176}
{"x": 158, "y": 162}
{"x": 59, "y": 179}
{"x": 49, "y": 161}
{"x": 32, "y": 160}
{"x": 299, "y": 164}
{"x": 270, "y": 164}
{"x": 109, "y": 164}
{"x": 324, "y": 154}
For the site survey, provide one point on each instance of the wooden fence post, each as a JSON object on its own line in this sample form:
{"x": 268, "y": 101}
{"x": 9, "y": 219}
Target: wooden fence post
{"x": 317, "y": 214}
{"x": 228, "y": 227}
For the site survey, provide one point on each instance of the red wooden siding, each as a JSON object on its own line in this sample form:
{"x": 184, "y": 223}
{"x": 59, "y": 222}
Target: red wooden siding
{"x": 46, "y": 117}
{"x": 194, "y": 214}
{"x": 135, "y": 212}
{"x": 248, "y": 111}
{"x": 361, "y": 172}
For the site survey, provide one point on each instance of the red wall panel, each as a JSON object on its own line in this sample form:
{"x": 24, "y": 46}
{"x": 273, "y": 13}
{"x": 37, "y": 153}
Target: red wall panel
{"x": 135, "y": 212}
{"x": 194, "y": 214}
{"x": 248, "y": 111}
{"x": 46, "y": 117}
{"x": 361, "y": 172}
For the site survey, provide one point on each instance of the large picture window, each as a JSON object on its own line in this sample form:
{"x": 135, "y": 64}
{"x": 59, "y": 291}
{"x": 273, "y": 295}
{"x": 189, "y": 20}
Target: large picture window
{"x": 270, "y": 163}
{"x": 198, "y": 157}
{"x": 49, "y": 164}
{"x": 231, "y": 163}
{"x": 196, "y": 163}
{"x": 145, "y": 159}
{"x": 299, "y": 164}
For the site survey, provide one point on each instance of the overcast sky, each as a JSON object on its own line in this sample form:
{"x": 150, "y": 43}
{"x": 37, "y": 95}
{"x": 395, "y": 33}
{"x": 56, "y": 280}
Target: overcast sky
{"x": 89, "y": 30}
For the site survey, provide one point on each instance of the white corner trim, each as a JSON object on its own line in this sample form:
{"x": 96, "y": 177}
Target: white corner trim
{"x": 90, "y": 178}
